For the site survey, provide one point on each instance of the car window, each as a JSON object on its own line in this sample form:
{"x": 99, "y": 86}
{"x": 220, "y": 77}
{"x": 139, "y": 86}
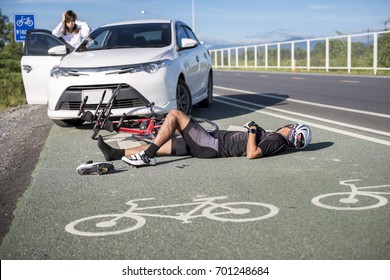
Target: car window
{"x": 181, "y": 33}
{"x": 40, "y": 43}
{"x": 191, "y": 34}
{"x": 97, "y": 42}
{"x": 185, "y": 32}
{"x": 146, "y": 35}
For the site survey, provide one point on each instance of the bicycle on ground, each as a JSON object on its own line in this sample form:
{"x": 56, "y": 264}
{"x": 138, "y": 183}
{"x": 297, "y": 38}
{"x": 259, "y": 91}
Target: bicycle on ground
{"x": 143, "y": 128}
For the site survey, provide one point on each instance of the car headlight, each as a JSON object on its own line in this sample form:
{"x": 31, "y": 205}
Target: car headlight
{"x": 150, "y": 68}
{"x": 154, "y": 67}
{"x": 58, "y": 72}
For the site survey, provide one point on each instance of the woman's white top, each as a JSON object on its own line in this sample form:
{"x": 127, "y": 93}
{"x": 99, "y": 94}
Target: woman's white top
{"x": 73, "y": 39}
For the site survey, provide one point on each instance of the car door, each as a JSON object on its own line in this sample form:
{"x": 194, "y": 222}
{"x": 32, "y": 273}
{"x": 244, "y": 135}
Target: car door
{"x": 191, "y": 59}
{"x": 36, "y": 64}
{"x": 202, "y": 59}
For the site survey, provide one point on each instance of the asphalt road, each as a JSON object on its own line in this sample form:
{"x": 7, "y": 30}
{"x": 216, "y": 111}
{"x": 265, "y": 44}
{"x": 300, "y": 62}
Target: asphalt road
{"x": 311, "y": 204}
{"x": 355, "y": 100}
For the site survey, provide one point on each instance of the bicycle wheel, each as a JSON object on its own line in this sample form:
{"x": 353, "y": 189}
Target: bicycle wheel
{"x": 124, "y": 224}
{"x": 349, "y": 203}
{"x": 210, "y": 126}
{"x": 225, "y": 213}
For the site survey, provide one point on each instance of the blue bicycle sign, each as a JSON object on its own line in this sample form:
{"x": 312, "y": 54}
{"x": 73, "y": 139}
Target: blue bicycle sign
{"x": 22, "y": 24}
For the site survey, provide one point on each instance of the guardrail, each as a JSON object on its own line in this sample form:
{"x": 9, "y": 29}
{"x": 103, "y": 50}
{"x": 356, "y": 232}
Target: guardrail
{"x": 366, "y": 51}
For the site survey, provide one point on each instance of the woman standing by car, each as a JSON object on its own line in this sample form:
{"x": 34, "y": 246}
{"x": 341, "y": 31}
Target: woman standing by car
{"x": 70, "y": 29}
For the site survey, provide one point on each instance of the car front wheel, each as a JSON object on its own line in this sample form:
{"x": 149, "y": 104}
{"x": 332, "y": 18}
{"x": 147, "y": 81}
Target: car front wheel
{"x": 183, "y": 97}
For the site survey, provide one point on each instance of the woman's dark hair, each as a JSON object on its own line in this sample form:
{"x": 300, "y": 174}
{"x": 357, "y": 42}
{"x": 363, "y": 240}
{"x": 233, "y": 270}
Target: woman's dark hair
{"x": 69, "y": 17}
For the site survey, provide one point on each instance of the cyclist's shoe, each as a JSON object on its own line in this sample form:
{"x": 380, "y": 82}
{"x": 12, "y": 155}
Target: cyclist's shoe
{"x": 95, "y": 168}
{"x": 140, "y": 159}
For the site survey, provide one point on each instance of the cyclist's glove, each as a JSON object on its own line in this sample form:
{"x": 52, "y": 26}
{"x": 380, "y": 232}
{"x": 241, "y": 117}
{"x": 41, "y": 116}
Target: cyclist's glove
{"x": 250, "y": 124}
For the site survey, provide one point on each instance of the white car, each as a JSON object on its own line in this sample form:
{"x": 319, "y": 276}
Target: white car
{"x": 155, "y": 61}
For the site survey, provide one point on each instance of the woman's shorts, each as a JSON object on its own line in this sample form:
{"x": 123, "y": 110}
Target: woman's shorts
{"x": 194, "y": 140}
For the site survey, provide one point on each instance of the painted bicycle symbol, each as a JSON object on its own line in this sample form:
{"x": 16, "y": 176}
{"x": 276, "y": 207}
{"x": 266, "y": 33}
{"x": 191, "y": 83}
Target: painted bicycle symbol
{"x": 361, "y": 198}
{"x": 134, "y": 218}
{"x": 24, "y": 21}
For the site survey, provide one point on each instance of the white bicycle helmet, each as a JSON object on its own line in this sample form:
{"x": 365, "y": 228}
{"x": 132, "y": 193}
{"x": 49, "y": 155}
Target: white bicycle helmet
{"x": 299, "y": 136}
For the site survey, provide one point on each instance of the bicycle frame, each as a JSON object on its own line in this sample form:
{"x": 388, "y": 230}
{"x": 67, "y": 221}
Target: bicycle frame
{"x": 139, "y": 127}
{"x": 101, "y": 118}
{"x": 143, "y": 126}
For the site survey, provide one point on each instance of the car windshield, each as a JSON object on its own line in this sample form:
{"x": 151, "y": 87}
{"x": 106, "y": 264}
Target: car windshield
{"x": 143, "y": 35}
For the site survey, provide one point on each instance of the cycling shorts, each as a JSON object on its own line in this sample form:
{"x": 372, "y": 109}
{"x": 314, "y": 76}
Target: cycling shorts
{"x": 194, "y": 140}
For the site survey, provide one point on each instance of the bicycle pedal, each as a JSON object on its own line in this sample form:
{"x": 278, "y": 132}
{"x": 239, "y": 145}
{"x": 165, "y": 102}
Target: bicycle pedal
{"x": 109, "y": 126}
{"x": 87, "y": 116}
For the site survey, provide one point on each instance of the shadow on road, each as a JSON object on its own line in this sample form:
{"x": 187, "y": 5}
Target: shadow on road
{"x": 318, "y": 146}
{"x": 218, "y": 110}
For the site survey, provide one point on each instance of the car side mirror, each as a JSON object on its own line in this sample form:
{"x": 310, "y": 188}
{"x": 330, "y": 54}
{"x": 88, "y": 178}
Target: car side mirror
{"x": 187, "y": 43}
{"x": 58, "y": 50}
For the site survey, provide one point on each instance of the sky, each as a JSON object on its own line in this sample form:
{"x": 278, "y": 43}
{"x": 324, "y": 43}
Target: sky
{"x": 221, "y": 22}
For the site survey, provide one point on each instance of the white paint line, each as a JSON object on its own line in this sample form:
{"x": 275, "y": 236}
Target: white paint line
{"x": 298, "y": 78}
{"x": 308, "y": 103}
{"x": 236, "y": 128}
{"x": 309, "y": 116}
{"x": 124, "y": 140}
{"x": 349, "y": 82}
{"x": 355, "y": 135}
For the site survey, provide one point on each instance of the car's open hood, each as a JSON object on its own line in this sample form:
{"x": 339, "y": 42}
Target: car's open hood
{"x": 104, "y": 58}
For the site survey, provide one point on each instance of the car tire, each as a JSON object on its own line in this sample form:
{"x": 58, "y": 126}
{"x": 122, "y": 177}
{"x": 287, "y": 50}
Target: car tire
{"x": 68, "y": 123}
{"x": 183, "y": 97}
{"x": 209, "y": 100}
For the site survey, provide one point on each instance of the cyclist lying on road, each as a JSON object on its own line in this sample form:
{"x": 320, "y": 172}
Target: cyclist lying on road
{"x": 194, "y": 140}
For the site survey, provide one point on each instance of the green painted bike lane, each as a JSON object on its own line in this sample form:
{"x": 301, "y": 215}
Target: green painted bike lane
{"x": 299, "y": 229}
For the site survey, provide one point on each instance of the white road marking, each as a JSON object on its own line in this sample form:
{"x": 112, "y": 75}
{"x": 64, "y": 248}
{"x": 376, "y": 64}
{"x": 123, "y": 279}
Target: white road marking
{"x": 310, "y": 116}
{"x": 308, "y": 103}
{"x": 124, "y": 140}
{"x": 298, "y": 78}
{"x": 350, "y": 200}
{"x": 336, "y": 130}
{"x": 236, "y": 128}
{"x": 233, "y": 212}
{"x": 349, "y": 81}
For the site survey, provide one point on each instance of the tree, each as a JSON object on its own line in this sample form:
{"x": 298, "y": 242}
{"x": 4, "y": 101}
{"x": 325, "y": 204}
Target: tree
{"x": 8, "y": 46}
{"x": 4, "y": 30}
{"x": 384, "y": 47}
{"x": 386, "y": 23}
{"x": 11, "y": 83}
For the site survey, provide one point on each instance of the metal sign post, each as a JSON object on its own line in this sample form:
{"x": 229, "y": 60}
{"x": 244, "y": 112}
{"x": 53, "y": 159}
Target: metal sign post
{"x": 22, "y": 23}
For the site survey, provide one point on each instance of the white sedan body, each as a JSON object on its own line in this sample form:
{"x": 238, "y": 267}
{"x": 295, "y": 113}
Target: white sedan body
{"x": 148, "y": 71}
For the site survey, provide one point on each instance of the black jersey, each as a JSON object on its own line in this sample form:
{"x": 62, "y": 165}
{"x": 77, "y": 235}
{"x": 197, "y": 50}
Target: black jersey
{"x": 233, "y": 143}
{"x": 196, "y": 141}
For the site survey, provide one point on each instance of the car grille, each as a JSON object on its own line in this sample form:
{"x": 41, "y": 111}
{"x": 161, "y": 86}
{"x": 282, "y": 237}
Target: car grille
{"x": 128, "y": 97}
